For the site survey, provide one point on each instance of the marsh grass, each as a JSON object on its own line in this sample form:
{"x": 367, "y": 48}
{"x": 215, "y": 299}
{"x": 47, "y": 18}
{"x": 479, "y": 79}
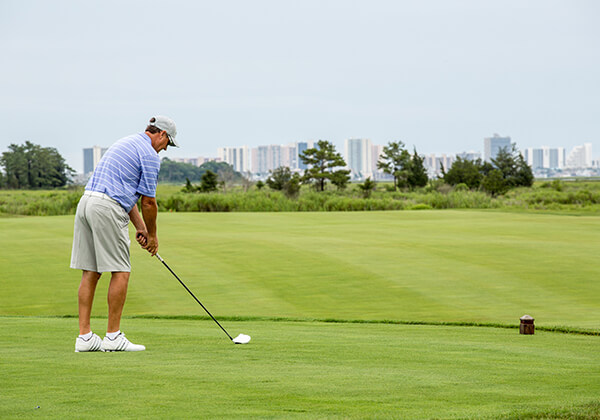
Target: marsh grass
{"x": 550, "y": 196}
{"x": 40, "y": 202}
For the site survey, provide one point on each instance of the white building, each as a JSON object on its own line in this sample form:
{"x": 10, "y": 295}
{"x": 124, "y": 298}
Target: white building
{"x": 376, "y": 153}
{"x": 266, "y": 158}
{"x": 545, "y": 157}
{"x": 434, "y": 164}
{"x": 238, "y": 157}
{"x": 580, "y": 157}
{"x": 271, "y": 157}
{"x": 359, "y": 158}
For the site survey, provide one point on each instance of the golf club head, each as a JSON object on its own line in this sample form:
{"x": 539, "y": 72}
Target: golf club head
{"x": 241, "y": 339}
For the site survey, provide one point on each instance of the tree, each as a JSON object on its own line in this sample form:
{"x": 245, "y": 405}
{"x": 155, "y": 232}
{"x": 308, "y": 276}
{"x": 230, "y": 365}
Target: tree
{"x": 171, "y": 171}
{"x": 226, "y": 176}
{"x": 32, "y": 166}
{"x": 209, "y": 182}
{"x": 468, "y": 172}
{"x": 464, "y": 171}
{"x": 282, "y": 179}
{"x": 524, "y": 176}
{"x": 322, "y": 161}
{"x": 292, "y": 187}
{"x": 279, "y": 177}
{"x": 247, "y": 180}
{"x": 260, "y": 185}
{"x": 340, "y": 178}
{"x": 417, "y": 174}
{"x": 515, "y": 171}
{"x": 367, "y": 187}
{"x": 188, "y": 186}
{"x": 177, "y": 172}
{"x": 395, "y": 161}
{"x": 494, "y": 183}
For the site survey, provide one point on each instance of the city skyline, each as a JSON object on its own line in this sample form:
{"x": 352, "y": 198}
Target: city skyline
{"x": 437, "y": 75}
{"x": 361, "y": 157}
{"x": 479, "y": 152}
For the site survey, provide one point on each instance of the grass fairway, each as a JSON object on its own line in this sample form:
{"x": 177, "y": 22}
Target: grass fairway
{"x": 461, "y": 266}
{"x": 309, "y": 369}
{"x": 420, "y": 266}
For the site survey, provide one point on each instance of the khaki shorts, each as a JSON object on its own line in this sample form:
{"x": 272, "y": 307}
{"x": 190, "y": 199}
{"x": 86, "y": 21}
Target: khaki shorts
{"x": 101, "y": 235}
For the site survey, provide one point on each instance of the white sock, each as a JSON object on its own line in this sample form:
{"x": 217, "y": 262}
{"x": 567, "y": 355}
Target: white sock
{"x": 113, "y": 335}
{"x": 87, "y": 336}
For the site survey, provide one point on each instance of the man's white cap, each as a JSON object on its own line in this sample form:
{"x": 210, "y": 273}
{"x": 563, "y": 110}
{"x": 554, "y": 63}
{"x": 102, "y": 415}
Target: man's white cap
{"x": 166, "y": 124}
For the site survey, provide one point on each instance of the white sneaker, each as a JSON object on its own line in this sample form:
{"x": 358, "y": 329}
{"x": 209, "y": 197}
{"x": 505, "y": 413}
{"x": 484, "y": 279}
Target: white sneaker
{"x": 93, "y": 344}
{"x": 120, "y": 343}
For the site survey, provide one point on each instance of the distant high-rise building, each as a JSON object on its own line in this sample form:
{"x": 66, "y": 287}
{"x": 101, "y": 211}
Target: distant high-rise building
{"x": 359, "y": 158}
{"x": 580, "y": 157}
{"x": 545, "y": 157}
{"x": 289, "y": 156}
{"x": 537, "y": 158}
{"x": 91, "y": 157}
{"x": 238, "y": 157}
{"x": 266, "y": 158}
{"x": 301, "y": 146}
{"x": 492, "y": 145}
{"x": 434, "y": 164}
{"x": 376, "y": 152}
{"x": 554, "y": 157}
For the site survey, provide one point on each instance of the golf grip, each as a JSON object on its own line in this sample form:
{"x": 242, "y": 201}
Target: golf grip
{"x": 190, "y": 292}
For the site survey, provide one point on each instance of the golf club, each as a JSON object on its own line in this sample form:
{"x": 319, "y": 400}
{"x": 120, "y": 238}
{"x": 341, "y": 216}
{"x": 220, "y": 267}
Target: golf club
{"x": 240, "y": 339}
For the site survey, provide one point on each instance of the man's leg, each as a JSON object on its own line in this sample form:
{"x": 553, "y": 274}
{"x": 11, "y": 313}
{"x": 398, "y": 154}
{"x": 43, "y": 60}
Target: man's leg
{"x": 87, "y": 289}
{"x": 117, "y": 292}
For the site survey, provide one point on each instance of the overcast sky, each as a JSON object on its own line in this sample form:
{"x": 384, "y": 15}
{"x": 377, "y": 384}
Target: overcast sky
{"x": 437, "y": 74}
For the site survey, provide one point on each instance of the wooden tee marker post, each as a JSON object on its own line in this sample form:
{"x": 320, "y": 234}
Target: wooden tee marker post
{"x": 527, "y": 326}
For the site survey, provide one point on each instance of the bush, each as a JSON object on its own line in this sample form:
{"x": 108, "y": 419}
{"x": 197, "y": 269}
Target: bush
{"x": 578, "y": 196}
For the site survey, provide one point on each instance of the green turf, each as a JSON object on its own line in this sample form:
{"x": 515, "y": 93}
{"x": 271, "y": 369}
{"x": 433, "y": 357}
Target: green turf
{"x": 255, "y": 270}
{"x": 426, "y": 265}
{"x": 314, "y": 370}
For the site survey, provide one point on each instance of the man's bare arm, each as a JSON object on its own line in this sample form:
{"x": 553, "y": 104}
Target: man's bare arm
{"x": 149, "y": 212}
{"x": 141, "y": 234}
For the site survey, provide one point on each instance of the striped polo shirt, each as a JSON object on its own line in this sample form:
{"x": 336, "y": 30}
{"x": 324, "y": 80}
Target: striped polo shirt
{"x": 128, "y": 169}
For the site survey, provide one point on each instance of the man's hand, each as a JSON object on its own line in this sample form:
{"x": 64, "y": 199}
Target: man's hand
{"x": 141, "y": 236}
{"x": 151, "y": 245}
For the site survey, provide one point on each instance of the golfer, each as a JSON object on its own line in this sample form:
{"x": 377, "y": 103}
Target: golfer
{"x": 127, "y": 172}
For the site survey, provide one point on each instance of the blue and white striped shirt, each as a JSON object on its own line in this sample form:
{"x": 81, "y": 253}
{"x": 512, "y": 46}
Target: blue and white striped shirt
{"x": 128, "y": 169}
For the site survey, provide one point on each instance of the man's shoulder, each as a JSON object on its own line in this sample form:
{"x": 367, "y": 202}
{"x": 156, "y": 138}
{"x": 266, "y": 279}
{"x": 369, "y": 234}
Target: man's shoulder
{"x": 137, "y": 138}
{"x": 139, "y": 142}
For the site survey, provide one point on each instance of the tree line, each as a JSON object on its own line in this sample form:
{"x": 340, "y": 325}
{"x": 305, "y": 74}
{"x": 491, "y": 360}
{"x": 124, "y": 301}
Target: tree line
{"x": 507, "y": 170}
{"x": 31, "y": 166}
{"x": 326, "y": 166}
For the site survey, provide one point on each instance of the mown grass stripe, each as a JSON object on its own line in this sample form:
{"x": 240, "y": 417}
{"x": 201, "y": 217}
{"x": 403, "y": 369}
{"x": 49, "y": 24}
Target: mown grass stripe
{"x": 556, "y": 329}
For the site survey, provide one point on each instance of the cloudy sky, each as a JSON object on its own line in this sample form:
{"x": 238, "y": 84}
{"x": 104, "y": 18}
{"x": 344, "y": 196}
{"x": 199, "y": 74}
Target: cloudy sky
{"x": 437, "y": 74}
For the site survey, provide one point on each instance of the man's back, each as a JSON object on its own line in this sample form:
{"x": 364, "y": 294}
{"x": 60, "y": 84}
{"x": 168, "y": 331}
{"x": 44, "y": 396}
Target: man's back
{"x": 128, "y": 169}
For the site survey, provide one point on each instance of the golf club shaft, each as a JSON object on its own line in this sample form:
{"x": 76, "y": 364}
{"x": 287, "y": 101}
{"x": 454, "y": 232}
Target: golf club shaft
{"x": 190, "y": 292}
